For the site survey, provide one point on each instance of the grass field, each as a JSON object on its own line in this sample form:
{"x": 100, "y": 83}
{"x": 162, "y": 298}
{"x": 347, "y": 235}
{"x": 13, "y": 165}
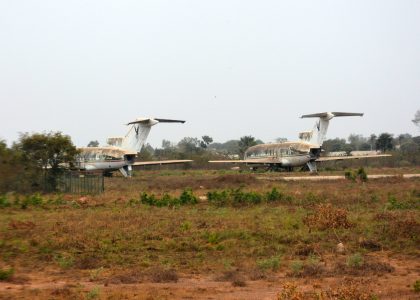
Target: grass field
{"x": 212, "y": 235}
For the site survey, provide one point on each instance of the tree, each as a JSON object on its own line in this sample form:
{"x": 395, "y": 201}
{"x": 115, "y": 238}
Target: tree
{"x": 189, "y": 145}
{"x": 357, "y": 141}
{"x": 48, "y": 152}
{"x": 146, "y": 153}
{"x": 372, "y": 142}
{"x": 166, "y": 144}
{"x": 334, "y": 145}
{"x": 93, "y": 144}
{"x": 245, "y": 142}
{"x": 384, "y": 142}
{"x": 416, "y": 120}
{"x": 206, "y": 141}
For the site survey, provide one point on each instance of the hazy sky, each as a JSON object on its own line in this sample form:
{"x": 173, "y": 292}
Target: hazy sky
{"x": 230, "y": 68}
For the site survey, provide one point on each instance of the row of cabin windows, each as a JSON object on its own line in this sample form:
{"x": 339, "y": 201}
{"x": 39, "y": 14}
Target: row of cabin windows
{"x": 95, "y": 157}
{"x": 271, "y": 152}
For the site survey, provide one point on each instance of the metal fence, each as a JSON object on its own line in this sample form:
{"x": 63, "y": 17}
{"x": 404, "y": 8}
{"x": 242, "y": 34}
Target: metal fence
{"x": 81, "y": 183}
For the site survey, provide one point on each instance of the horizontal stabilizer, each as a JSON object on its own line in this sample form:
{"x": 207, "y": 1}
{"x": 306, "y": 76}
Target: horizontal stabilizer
{"x": 332, "y": 114}
{"x": 154, "y": 121}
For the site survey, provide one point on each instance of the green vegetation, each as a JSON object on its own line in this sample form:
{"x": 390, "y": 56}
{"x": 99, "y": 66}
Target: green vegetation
{"x": 187, "y": 197}
{"x": 416, "y": 286}
{"x": 253, "y": 228}
{"x": 6, "y": 274}
{"x": 355, "y": 260}
{"x": 237, "y": 197}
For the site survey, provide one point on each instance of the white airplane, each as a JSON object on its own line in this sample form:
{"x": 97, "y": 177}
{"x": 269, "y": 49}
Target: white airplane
{"x": 121, "y": 152}
{"x": 307, "y": 151}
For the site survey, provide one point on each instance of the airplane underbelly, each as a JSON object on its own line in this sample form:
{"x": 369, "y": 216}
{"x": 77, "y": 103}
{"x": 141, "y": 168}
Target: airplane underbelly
{"x": 104, "y": 165}
{"x": 295, "y": 161}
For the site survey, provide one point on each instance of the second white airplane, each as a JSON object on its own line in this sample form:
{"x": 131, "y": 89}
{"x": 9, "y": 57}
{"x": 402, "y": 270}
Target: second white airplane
{"x": 307, "y": 151}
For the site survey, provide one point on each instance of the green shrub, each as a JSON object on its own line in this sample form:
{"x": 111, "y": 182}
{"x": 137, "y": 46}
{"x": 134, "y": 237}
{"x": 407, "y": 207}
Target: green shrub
{"x": 274, "y": 195}
{"x": 355, "y": 260}
{"x": 93, "y": 293}
{"x": 416, "y": 286}
{"x": 64, "y": 261}
{"x": 4, "y": 202}
{"x": 296, "y": 267}
{"x": 272, "y": 263}
{"x": 6, "y": 274}
{"x": 32, "y": 200}
{"x": 361, "y": 174}
{"x": 218, "y": 198}
{"x": 349, "y": 174}
{"x": 409, "y": 203}
{"x": 187, "y": 197}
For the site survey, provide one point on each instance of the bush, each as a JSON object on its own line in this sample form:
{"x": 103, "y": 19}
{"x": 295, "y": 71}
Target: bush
{"x": 187, "y": 197}
{"x": 410, "y": 203}
{"x": 272, "y": 263}
{"x": 349, "y": 174}
{"x": 6, "y": 274}
{"x": 238, "y": 197}
{"x": 355, "y": 260}
{"x": 416, "y": 286}
{"x": 274, "y": 195}
{"x": 4, "y": 202}
{"x": 361, "y": 174}
{"x": 218, "y": 198}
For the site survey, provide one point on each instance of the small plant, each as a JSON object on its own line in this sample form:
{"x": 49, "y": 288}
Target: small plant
{"x": 187, "y": 197}
{"x": 272, "y": 263}
{"x": 349, "y": 174}
{"x": 361, "y": 174}
{"x": 416, "y": 286}
{"x": 6, "y": 274}
{"x": 218, "y": 198}
{"x": 185, "y": 226}
{"x": 93, "y": 293}
{"x": 32, "y": 200}
{"x": 274, "y": 195}
{"x": 65, "y": 262}
{"x": 95, "y": 274}
{"x": 296, "y": 267}
{"x": 4, "y": 202}
{"x": 355, "y": 260}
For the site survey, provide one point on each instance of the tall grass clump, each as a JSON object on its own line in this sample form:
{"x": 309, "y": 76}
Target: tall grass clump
{"x": 238, "y": 197}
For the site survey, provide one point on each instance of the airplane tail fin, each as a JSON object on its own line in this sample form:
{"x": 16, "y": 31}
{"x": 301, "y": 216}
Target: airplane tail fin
{"x": 319, "y": 132}
{"x": 139, "y": 131}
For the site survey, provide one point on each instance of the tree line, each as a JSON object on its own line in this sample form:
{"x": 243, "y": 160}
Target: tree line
{"x": 35, "y": 161}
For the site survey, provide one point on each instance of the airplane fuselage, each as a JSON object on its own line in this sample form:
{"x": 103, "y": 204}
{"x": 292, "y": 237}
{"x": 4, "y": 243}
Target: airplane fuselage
{"x": 283, "y": 155}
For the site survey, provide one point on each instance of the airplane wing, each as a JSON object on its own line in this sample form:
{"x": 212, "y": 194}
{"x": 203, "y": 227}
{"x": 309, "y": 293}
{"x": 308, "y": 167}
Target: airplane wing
{"x": 331, "y": 158}
{"x": 161, "y": 162}
{"x": 244, "y": 161}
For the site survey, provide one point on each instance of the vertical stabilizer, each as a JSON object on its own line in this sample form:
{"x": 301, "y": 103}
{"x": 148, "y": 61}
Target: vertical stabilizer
{"x": 139, "y": 131}
{"x": 321, "y": 126}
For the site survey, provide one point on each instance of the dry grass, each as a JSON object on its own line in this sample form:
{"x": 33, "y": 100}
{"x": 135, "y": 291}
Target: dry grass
{"x": 135, "y": 243}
